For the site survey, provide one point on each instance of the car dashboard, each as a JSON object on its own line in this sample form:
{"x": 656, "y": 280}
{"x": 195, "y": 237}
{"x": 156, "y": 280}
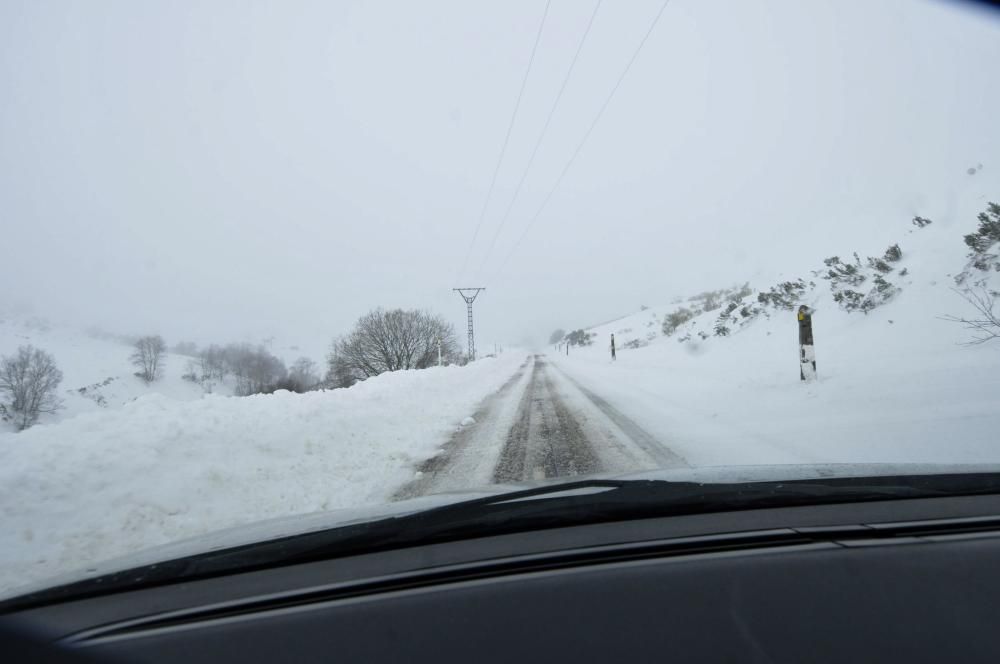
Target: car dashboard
{"x": 912, "y": 579}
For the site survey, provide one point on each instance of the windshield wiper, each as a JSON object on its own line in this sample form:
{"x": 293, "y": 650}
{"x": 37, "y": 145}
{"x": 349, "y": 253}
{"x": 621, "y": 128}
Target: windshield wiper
{"x": 551, "y": 506}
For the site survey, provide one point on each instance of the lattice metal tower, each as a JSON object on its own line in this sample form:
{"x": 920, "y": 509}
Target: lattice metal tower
{"x": 469, "y": 299}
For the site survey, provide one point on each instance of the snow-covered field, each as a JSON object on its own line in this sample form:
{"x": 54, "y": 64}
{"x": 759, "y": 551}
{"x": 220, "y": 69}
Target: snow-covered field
{"x": 159, "y": 469}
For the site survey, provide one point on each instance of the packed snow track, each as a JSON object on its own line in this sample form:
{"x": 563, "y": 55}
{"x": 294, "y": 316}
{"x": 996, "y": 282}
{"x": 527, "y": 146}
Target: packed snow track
{"x": 540, "y": 425}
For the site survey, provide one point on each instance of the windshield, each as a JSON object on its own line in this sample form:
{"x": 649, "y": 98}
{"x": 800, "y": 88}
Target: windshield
{"x": 332, "y": 261}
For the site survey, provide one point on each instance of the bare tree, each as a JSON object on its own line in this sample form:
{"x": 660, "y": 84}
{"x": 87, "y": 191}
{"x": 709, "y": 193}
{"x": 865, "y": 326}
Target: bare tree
{"x": 389, "y": 341}
{"x": 255, "y": 369}
{"x": 303, "y": 376}
{"x": 212, "y": 363}
{"x": 340, "y": 372}
{"x": 29, "y": 380}
{"x": 985, "y": 325}
{"x": 148, "y": 357}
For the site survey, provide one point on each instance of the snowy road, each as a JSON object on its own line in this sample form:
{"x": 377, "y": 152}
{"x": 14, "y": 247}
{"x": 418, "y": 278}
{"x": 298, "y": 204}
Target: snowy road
{"x": 539, "y": 425}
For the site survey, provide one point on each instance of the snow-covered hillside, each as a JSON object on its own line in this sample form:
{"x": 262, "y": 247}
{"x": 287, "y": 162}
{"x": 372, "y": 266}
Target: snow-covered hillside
{"x": 97, "y": 373}
{"x": 896, "y": 384}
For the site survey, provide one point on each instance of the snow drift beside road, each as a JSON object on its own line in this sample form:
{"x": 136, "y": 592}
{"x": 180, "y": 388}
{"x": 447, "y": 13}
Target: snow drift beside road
{"x": 108, "y": 483}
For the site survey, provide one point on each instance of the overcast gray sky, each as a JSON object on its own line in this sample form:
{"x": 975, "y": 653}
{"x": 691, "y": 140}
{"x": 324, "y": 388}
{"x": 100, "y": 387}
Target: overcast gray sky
{"x": 226, "y": 170}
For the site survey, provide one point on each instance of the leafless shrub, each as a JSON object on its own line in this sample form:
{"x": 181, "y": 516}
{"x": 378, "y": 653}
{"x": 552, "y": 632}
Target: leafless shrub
{"x": 985, "y": 325}
{"x": 148, "y": 357}
{"x": 29, "y": 379}
{"x": 303, "y": 376}
{"x": 389, "y": 341}
{"x": 675, "y": 319}
{"x": 191, "y": 372}
{"x": 212, "y": 363}
{"x": 254, "y": 369}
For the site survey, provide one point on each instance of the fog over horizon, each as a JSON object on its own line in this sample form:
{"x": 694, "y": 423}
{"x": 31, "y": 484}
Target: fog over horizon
{"x": 238, "y": 170}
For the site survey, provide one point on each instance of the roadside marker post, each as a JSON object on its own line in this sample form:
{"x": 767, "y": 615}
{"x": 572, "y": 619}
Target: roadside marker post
{"x": 807, "y": 351}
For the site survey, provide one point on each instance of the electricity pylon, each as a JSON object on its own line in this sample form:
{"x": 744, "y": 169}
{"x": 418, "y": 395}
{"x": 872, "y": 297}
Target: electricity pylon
{"x": 469, "y": 299}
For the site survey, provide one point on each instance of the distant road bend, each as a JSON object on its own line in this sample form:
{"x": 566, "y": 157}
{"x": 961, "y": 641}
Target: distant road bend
{"x": 541, "y": 424}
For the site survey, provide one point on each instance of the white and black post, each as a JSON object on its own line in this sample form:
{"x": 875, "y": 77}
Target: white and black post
{"x": 807, "y": 352}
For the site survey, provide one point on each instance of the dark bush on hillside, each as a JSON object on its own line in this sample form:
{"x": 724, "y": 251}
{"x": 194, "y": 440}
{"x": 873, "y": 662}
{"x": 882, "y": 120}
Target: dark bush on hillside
{"x": 580, "y": 338}
{"x": 893, "y": 254}
{"x": 785, "y": 295}
{"x": 988, "y": 232}
{"x": 675, "y": 319}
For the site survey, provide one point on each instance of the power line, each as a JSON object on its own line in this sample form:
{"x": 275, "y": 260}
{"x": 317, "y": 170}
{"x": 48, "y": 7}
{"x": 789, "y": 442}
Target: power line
{"x": 545, "y": 128}
{"x": 583, "y": 141}
{"x": 506, "y": 140}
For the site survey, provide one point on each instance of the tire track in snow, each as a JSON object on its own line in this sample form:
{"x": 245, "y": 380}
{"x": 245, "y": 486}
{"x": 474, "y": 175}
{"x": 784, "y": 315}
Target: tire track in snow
{"x": 546, "y": 440}
{"x": 468, "y": 458}
{"x": 663, "y": 455}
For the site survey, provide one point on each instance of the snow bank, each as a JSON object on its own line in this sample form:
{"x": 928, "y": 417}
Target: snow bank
{"x": 112, "y": 482}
